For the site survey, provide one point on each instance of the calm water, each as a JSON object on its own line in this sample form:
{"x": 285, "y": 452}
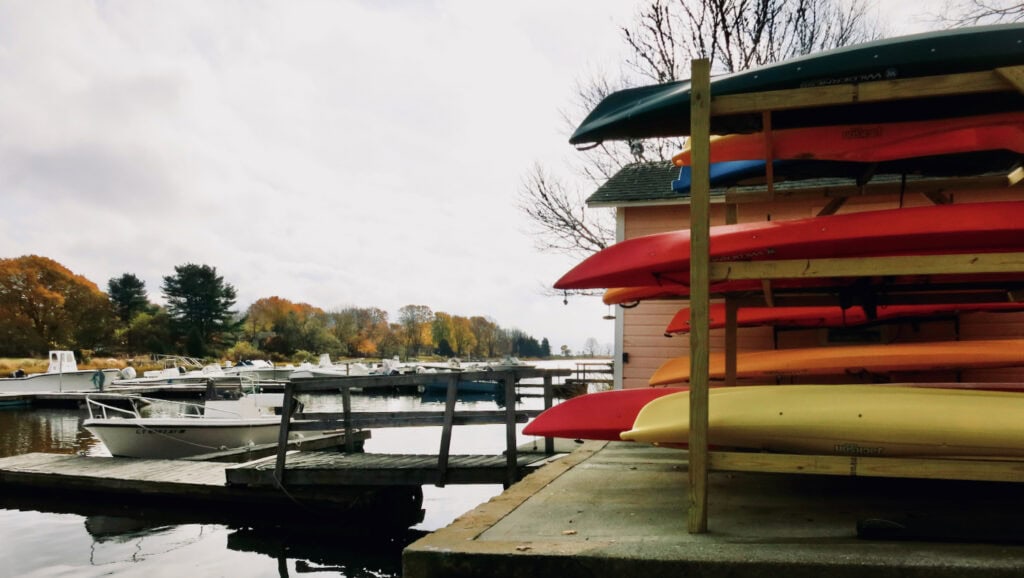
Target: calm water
{"x": 47, "y": 538}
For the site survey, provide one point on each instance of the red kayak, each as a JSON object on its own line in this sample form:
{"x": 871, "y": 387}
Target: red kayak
{"x": 936, "y": 229}
{"x": 828, "y": 316}
{"x": 877, "y": 142}
{"x": 596, "y": 416}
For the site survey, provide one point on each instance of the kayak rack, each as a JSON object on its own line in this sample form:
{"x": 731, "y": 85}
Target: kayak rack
{"x": 702, "y": 273}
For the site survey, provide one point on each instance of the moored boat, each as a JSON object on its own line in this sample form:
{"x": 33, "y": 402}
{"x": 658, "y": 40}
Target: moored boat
{"x": 142, "y": 427}
{"x": 62, "y": 374}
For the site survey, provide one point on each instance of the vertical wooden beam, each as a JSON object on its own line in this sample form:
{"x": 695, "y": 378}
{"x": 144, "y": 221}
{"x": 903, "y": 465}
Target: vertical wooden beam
{"x": 511, "y": 458}
{"x": 769, "y": 154}
{"x": 549, "y": 400}
{"x": 731, "y": 309}
{"x": 700, "y": 191}
{"x": 282, "y": 436}
{"x": 346, "y": 408}
{"x": 446, "y": 430}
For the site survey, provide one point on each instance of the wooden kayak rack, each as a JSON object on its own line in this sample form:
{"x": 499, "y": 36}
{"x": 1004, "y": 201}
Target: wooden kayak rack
{"x": 703, "y": 273}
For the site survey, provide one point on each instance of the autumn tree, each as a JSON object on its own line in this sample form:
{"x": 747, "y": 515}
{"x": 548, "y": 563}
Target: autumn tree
{"x": 43, "y": 305}
{"x": 665, "y": 37}
{"x": 128, "y": 295}
{"x": 442, "y": 330}
{"x": 360, "y": 330}
{"x": 282, "y": 327}
{"x": 416, "y": 320}
{"x": 487, "y": 336}
{"x": 463, "y": 338}
{"x": 199, "y": 304}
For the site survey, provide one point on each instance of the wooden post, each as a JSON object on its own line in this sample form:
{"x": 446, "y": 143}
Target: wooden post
{"x": 731, "y": 308}
{"x": 446, "y": 429}
{"x": 282, "y": 437}
{"x": 700, "y": 191}
{"x": 346, "y": 408}
{"x": 549, "y": 395}
{"x": 511, "y": 459}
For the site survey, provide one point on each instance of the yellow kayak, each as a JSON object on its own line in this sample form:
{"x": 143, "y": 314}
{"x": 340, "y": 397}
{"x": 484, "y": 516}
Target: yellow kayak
{"x": 892, "y": 357}
{"x": 862, "y": 420}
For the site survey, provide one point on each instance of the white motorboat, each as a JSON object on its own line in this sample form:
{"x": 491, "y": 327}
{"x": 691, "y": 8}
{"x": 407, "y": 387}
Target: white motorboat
{"x": 260, "y": 370}
{"x": 509, "y": 362}
{"x": 180, "y": 371}
{"x": 153, "y": 428}
{"x": 61, "y": 375}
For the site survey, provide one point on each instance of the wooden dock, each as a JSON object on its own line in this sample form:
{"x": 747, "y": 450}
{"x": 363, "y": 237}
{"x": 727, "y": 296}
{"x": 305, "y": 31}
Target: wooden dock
{"x": 345, "y": 469}
{"x": 384, "y": 488}
{"x": 201, "y": 487}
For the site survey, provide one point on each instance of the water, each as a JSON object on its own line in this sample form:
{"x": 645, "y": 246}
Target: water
{"x": 82, "y": 538}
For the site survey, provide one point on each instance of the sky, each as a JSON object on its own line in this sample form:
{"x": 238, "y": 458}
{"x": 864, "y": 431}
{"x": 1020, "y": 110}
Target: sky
{"x": 337, "y": 153}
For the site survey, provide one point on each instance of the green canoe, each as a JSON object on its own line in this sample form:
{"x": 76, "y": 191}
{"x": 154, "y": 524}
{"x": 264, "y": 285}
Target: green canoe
{"x": 663, "y": 110}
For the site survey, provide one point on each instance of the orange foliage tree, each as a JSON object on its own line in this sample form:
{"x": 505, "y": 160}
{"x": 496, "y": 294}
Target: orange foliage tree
{"x": 43, "y": 305}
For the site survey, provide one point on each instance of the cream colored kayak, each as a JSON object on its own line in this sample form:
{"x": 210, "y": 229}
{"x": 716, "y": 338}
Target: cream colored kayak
{"x": 863, "y": 420}
{"x": 892, "y": 357}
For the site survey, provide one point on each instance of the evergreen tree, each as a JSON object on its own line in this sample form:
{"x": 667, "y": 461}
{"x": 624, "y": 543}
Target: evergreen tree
{"x": 127, "y": 294}
{"x": 199, "y": 304}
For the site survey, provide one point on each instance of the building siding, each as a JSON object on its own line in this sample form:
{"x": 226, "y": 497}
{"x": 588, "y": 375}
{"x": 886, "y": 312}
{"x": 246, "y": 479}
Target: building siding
{"x": 647, "y": 348}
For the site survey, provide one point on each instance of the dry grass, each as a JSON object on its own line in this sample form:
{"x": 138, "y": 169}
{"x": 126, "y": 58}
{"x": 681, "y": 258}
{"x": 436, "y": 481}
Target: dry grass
{"x": 30, "y": 365}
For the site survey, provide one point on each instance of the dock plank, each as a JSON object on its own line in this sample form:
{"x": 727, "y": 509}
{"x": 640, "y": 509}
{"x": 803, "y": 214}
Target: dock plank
{"x": 381, "y": 469}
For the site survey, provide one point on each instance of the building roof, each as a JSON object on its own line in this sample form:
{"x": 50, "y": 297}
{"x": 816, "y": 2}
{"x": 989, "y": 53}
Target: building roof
{"x": 639, "y": 182}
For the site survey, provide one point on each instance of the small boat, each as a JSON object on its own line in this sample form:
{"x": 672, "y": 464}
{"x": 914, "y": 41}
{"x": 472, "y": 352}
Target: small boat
{"x": 651, "y": 260}
{"x": 872, "y": 358}
{"x": 260, "y": 370}
{"x": 508, "y": 363}
{"x": 831, "y": 316}
{"x": 663, "y": 110}
{"x": 596, "y": 416}
{"x": 875, "y": 142}
{"x": 177, "y": 371}
{"x": 466, "y": 386}
{"x": 860, "y": 420}
{"x": 141, "y": 427}
{"x": 754, "y": 172}
{"x": 62, "y": 374}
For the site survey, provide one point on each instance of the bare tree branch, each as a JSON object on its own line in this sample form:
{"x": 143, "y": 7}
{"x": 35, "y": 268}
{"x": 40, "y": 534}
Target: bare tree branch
{"x": 666, "y": 35}
{"x": 975, "y": 12}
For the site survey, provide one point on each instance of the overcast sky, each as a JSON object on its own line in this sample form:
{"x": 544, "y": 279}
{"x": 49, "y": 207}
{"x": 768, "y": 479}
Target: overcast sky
{"x": 337, "y": 153}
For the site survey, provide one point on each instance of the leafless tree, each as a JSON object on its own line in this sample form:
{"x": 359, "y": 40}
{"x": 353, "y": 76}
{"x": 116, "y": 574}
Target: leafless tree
{"x": 975, "y": 12}
{"x": 665, "y": 37}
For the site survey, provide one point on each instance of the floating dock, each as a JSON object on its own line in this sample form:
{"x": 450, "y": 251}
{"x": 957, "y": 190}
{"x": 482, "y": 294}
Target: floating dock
{"x": 620, "y": 509}
{"x": 173, "y": 484}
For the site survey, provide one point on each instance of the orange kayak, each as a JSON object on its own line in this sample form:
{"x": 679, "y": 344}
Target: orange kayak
{"x": 829, "y": 316}
{"x": 874, "y": 142}
{"x": 892, "y": 357}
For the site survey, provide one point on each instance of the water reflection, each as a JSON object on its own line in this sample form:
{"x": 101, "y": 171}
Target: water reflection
{"x": 83, "y": 536}
{"x": 52, "y": 430}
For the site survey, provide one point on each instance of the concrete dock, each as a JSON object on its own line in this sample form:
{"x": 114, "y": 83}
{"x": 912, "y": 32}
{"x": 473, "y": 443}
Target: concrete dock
{"x": 620, "y": 509}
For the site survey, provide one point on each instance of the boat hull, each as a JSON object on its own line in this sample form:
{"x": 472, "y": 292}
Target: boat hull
{"x": 81, "y": 380}
{"x": 663, "y": 258}
{"x": 180, "y": 437}
{"x": 888, "y": 358}
{"x": 876, "y": 142}
{"x": 596, "y": 416}
{"x": 664, "y": 110}
{"x": 845, "y": 420}
{"x": 829, "y": 316}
